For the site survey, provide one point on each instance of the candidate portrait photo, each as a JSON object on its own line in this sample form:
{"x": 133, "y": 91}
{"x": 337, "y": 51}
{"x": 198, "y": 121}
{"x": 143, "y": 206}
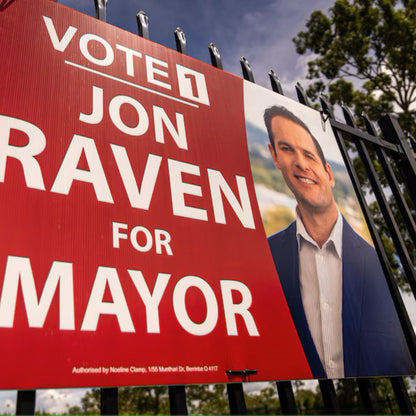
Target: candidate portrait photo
{"x": 328, "y": 268}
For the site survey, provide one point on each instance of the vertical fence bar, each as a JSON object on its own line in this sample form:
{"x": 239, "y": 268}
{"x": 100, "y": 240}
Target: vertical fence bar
{"x": 391, "y": 281}
{"x": 284, "y": 388}
{"x": 412, "y": 142}
{"x": 177, "y": 394}
{"x": 286, "y": 398}
{"x": 236, "y": 399}
{"x": 109, "y": 400}
{"x": 101, "y": 14}
{"x": 329, "y": 397}
{"x": 393, "y": 183}
{"x": 393, "y": 228}
{"x": 408, "y": 178}
{"x": 26, "y": 401}
{"x": 391, "y": 129}
{"x": 177, "y": 400}
{"x": 402, "y": 396}
{"x": 327, "y": 386}
{"x": 367, "y": 396}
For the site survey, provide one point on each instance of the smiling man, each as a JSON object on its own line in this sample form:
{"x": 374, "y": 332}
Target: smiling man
{"x": 332, "y": 279}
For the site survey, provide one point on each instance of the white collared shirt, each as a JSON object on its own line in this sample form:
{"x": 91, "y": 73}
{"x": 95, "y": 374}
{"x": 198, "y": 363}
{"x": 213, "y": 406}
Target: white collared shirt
{"x": 320, "y": 274}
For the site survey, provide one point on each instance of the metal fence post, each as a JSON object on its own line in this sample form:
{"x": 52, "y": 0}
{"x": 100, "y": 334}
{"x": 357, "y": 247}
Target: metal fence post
{"x": 329, "y": 397}
{"x": 286, "y": 398}
{"x": 236, "y": 399}
{"x": 109, "y": 400}
{"x": 177, "y": 400}
{"x": 367, "y": 396}
{"x": 26, "y": 401}
{"x": 177, "y": 394}
{"x": 402, "y": 396}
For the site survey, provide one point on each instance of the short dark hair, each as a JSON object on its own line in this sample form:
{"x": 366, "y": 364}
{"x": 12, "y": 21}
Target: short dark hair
{"x": 274, "y": 111}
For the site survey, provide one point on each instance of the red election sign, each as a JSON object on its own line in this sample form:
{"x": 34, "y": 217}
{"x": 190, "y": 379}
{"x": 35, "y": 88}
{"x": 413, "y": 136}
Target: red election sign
{"x": 132, "y": 249}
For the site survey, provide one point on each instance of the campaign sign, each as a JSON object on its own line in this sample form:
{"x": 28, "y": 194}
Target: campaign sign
{"x": 329, "y": 270}
{"x": 132, "y": 249}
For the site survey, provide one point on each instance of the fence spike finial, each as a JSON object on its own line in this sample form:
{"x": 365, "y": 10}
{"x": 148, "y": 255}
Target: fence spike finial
{"x": 180, "y": 39}
{"x": 369, "y": 125}
{"x": 246, "y": 68}
{"x": 348, "y": 116}
{"x": 215, "y": 55}
{"x": 326, "y": 106}
{"x": 275, "y": 82}
{"x": 142, "y": 24}
{"x": 302, "y": 97}
{"x": 100, "y": 9}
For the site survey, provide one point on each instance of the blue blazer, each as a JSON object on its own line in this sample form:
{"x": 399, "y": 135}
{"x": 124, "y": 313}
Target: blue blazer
{"x": 373, "y": 341}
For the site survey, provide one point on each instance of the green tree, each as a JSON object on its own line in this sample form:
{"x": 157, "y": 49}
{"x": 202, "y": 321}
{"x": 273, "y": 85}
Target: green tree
{"x": 212, "y": 399}
{"x": 348, "y": 396}
{"x": 90, "y": 404}
{"x": 143, "y": 400}
{"x": 207, "y": 399}
{"x": 383, "y": 395}
{"x": 362, "y": 54}
{"x": 131, "y": 400}
{"x": 263, "y": 402}
{"x": 309, "y": 402}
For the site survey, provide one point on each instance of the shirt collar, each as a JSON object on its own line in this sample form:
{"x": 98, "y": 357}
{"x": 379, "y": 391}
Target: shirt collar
{"x": 335, "y": 237}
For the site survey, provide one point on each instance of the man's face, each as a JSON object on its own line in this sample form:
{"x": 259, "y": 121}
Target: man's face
{"x": 295, "y": 154}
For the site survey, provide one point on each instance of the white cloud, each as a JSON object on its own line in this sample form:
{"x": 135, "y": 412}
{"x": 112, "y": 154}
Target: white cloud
{"x": 54, "y": 401}
{"x": 264, "y": 37}
{"x": 8, "y": 401}
{"x": 261, "y": 31}
{"x": 59, "y": 400}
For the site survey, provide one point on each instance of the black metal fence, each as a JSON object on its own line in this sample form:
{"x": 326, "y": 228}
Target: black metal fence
{"x": 388, "y": 158}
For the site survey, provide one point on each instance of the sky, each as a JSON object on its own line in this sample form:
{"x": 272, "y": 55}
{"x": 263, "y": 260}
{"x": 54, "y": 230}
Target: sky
{"x": 260, "y": 30}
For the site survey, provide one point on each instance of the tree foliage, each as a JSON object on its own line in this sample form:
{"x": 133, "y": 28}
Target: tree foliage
{"x": 131, "y": 401}
{"x": 90, "y": 404}
{"x": 212, "y": 399}
{"x": 207, "y": 399}
{"x": 263, "y": 402}
{"x": 363, "y": 54}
